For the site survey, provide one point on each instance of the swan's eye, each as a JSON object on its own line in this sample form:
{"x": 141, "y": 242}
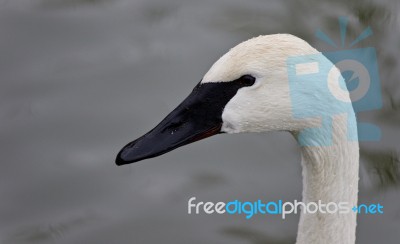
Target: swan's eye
{"x": 247, "y": 80}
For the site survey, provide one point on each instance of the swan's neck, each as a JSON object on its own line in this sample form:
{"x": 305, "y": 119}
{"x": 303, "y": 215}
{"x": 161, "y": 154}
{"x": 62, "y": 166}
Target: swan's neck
{"x": 330, "y": 174}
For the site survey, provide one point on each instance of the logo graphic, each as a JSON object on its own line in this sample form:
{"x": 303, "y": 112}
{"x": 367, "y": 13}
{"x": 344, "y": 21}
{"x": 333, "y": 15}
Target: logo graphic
{"x": 251, "y": 208}
{"x": 318, "y": 84}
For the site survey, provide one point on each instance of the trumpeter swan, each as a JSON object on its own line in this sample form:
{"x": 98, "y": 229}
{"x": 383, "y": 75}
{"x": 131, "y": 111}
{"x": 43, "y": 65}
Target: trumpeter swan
{"x": 247, "y": 90}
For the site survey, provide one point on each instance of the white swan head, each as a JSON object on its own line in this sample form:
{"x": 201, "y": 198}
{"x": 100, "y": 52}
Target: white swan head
{"x": 264, "y": 106}
{"x": 246, "y": 90}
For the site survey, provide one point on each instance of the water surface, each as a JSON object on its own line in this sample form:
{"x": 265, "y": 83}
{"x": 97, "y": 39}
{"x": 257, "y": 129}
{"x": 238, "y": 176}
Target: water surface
{"x": 80, "y": 78}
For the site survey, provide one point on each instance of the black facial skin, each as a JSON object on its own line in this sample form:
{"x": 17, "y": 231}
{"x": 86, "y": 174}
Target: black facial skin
{"x": 196, "y": 118}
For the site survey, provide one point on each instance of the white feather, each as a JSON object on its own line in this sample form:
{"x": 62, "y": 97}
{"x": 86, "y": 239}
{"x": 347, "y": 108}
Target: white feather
{"x": 330, "y": 173}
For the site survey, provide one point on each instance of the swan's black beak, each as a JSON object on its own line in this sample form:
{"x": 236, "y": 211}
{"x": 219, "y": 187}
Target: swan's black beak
{"x": 199, "y": 116}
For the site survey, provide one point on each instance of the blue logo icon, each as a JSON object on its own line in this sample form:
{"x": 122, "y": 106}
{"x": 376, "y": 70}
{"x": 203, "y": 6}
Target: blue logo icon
{"x": 325, "y": 76}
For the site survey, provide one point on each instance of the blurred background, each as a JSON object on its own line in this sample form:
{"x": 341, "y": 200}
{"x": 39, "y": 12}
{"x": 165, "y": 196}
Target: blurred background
{"x": 81, "y": 78}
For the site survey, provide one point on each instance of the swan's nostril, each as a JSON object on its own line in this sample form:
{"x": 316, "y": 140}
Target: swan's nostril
{"x": 174, "y": 127}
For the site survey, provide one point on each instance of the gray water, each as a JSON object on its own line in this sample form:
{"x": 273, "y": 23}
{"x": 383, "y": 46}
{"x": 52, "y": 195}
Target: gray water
{"x": 80, "y": 78}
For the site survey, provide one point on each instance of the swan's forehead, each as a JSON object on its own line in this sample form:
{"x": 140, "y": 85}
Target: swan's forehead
{"x": 230, "y": 67}
{"x": 257, "y": 57}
